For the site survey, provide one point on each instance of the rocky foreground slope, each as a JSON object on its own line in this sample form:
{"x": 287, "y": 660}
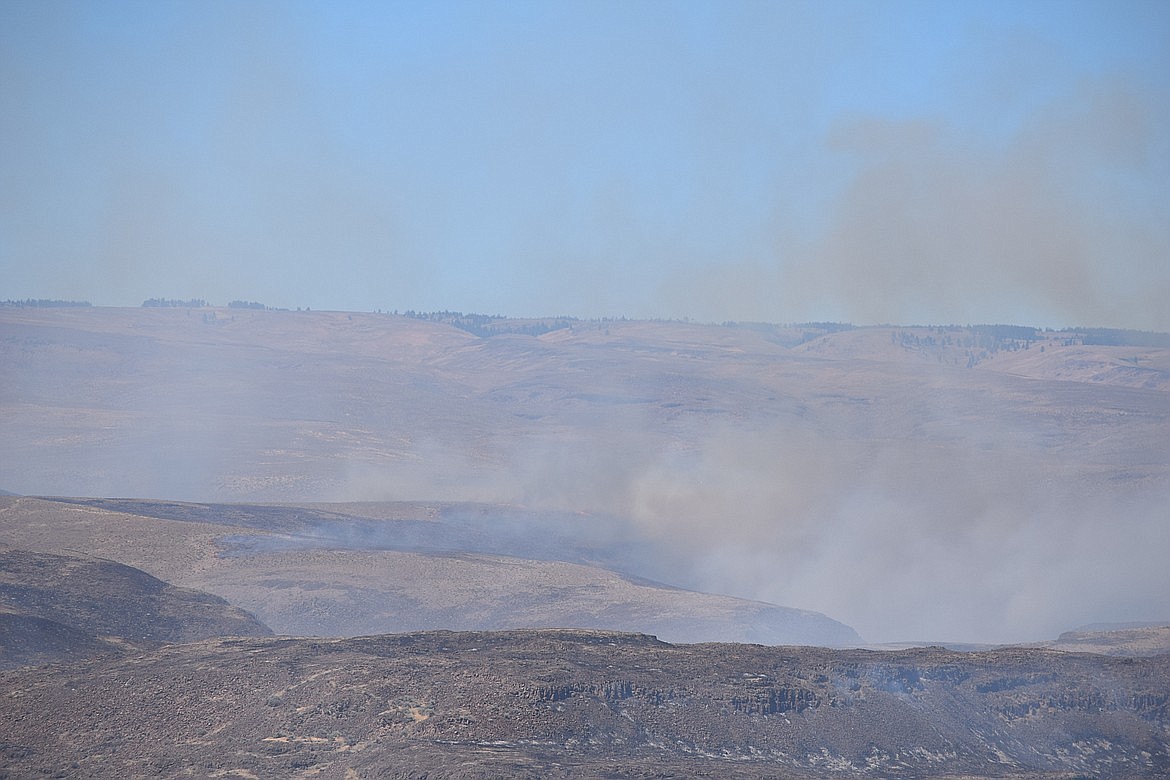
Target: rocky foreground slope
{"x": 583, "y": 703}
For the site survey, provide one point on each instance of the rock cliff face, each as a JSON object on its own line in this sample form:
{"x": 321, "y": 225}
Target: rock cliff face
{"x": 586, "y": 703}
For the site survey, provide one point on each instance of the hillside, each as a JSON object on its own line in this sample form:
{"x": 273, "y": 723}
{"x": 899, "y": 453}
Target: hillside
{"x": 311, "y": 570}
{"x": 56, "y": 607}
{"x": 592, "y": 704}
{"x": 484, "y": 543}
{"x": 242, "y": 405}
{"x": 829, "y": 469}
{"x": 1127, "y": 640}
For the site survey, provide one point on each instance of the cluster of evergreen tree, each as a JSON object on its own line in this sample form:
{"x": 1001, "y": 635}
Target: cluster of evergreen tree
{"x": 486, "y": 325}
{"x": 1004, "y": 333}
{"x": 483, "y": 326}
{"x": 984, "y": 339}
{"x": 45, "y": 303}
{"x": 1114, "y": 337}
{"x": 174, "y": 303}
{"x": 199, "y": 303}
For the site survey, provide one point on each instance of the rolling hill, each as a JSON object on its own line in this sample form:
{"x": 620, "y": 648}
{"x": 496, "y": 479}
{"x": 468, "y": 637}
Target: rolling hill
{"x": 550, "y": 548}
{"x": 822, "y": 467}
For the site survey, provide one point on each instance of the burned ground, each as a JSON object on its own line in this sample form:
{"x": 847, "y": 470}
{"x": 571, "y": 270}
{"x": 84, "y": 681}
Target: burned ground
{"x": 58, "y": 607}
{"x": 584, "y": 703}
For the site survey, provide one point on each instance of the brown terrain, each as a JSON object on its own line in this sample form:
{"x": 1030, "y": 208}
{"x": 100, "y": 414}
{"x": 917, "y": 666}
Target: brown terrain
{"x": 559, "y": 703}
{"x": 1137, "y": 640}
{"x": 475, "y": 525}
{"x": 246, "y": 406}
{"x": 312, "y": 571}
{"x": 55, "y": 607}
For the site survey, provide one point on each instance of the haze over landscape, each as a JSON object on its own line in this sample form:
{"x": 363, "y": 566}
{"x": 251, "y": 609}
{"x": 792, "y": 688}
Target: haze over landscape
{"x": 904, "y": 163}
{"x": 915, "y": 483}
{"x": 427, "y": 364}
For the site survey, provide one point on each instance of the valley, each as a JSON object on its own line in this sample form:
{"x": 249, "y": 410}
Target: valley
{"x": 344, "y": 545}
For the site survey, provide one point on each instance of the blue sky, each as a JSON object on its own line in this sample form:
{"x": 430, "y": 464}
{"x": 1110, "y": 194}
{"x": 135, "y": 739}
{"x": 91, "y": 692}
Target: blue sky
{"x": 781, "y": 161}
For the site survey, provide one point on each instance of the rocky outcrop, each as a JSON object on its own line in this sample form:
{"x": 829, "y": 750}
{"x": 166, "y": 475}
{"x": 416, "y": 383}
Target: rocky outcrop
{"x": 588, "y": 703}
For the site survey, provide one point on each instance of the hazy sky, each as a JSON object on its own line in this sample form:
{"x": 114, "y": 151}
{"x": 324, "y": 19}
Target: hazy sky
{"x": 781, "y": 161}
